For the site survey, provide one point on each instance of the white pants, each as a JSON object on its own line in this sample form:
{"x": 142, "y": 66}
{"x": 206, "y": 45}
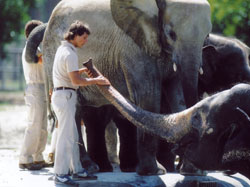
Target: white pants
{"x": 35, "y": 136}
{"x": 67, "y": 156}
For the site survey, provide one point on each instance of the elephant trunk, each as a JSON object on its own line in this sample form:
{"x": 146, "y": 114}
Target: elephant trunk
{"x": 190, "y": 65}
{"x": 33, "y": 41}
{"x": 169, "y": 127}
{"x": 190, "y": 88}
{"x": 247, "y": 75}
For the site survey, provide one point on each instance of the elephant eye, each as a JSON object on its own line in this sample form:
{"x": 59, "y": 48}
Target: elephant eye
{"x": 169, "y": 32}
{"x": 172, "y": 35}
{"x": 196, "y": 120}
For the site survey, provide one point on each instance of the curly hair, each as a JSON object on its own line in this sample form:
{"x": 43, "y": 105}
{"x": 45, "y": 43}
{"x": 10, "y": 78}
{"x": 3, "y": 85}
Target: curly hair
{"x": 30, "y": 25}
{"x": 76, "y": 28}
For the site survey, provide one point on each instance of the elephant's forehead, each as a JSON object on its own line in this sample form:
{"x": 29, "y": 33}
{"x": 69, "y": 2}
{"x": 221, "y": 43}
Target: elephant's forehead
{"x": 201, "y": 2}
{"x": 188, "y": 9}
{"x": 91, "y": 5}
{"x": 80, "y": 2}
{"x": 147, "y": 6}
{"x": 189, "y": 18}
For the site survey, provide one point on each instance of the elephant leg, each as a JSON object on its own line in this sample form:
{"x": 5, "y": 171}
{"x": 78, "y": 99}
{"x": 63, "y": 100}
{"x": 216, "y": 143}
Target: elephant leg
{"x": 173, "y": 101}
{"x": 111, "y": 142}
{"x": 95, "y": 130}
{"x": 172, "y": 97}
{"x": 165, "y": 155}
{"x": 128, "y": 149}
{"x": 86, "y": 162}
{"x": 147, "y": 149}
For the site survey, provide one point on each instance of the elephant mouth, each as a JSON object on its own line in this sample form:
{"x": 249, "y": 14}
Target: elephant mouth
{"x": 186, "y": 144}
{"x": 236, "y": 155}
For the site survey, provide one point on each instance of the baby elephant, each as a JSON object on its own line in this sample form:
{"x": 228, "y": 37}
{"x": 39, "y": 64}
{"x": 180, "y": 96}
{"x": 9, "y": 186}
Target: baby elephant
{"x": 225, "y": 63}
{"x": 213, "y": 134}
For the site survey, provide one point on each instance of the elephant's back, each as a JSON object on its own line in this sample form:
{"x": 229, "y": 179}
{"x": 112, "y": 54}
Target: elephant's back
{"x": 94, "y": 13}
{"x": 91, "y": 12}
{"x": 108, "y": 46}
{"x": 227, "y": 101}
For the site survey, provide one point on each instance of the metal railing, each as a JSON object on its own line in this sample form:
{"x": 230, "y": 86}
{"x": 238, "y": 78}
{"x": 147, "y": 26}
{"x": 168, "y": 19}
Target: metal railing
{"x": 11, "y": 71}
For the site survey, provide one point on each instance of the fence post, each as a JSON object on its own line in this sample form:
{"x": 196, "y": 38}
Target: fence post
{"x": 2, "y": 75}
{"x": 11, "y": 73}
{"x": 20, "y": 72}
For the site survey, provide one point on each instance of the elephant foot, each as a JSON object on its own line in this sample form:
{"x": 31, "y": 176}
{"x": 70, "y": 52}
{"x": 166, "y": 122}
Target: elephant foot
{"x": 114, "y": 159}
{"x": 170, "y": 167}
{"x": 188, "y": 169}
{"x": 128, "y": 165}
{"x": 90, "y": 166}
{"x": 128, "y": 169}
{"x": 150, "y": 170}
{"x": 106, "y": 169}
{"x": 229, "y": 172}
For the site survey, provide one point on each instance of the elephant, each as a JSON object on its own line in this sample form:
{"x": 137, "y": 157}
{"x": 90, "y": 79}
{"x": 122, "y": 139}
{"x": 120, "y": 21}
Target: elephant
{"x": 33, "y": 41}
{"x": 221, "y": 57}
{"x": 225, "y": 63}
{"x": 218, "y": 125}
{"x": 142, "y": 47}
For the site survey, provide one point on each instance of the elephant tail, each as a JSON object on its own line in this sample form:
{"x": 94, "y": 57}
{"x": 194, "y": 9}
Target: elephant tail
{"x": 33, "y": 41}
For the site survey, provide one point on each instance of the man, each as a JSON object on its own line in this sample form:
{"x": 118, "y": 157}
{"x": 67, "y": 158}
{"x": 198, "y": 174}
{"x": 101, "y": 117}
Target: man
{"x": 66, "y": 79}
{"x": 35, "y": 137}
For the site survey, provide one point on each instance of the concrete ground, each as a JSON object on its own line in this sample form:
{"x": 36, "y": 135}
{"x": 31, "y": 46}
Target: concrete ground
{"x": 12, "y": 176}
{"x": 12, "y": 125}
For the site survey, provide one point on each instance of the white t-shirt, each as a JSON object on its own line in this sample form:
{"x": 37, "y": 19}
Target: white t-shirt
{"x": 33, "y": 72}
{"x": 66, "y": 61}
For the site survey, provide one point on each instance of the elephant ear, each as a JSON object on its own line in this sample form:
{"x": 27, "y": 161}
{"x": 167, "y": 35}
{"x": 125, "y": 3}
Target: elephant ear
{"x": 235, "y": 147}
{"x": 209, "y": 58}
{"x": 33, "y": 41}
{"x": 139, "y": 20}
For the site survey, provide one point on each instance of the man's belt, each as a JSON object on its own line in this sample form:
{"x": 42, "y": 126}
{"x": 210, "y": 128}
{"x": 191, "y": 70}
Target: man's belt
{"x": 63, "y": 88}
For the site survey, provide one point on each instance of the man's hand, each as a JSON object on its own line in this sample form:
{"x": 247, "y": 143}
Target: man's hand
{"x": 40, "y": 59}
{"x": 101, "y": 80}
{"x": 89, "y": 73}
{"x": 50, "y": 94}
{"x": 83, "y": 70}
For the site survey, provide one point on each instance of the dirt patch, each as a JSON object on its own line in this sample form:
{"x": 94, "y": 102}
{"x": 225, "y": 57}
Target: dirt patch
{"x": 12, "y": 125}
{"x": 16, "y": 98}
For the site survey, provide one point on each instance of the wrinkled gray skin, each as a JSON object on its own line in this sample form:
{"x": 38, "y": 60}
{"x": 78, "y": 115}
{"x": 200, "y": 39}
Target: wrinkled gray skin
{"x": 135, "y": 44}
{"x": 212, "y": 135}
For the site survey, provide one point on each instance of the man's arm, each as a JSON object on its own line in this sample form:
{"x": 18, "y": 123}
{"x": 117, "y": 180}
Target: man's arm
{"x": 77, "y": 80}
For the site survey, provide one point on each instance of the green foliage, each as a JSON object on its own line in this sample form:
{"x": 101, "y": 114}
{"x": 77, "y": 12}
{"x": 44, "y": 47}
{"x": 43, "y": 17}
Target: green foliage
{"x": 231, "y": 18}
{"x": 13, "y": 16}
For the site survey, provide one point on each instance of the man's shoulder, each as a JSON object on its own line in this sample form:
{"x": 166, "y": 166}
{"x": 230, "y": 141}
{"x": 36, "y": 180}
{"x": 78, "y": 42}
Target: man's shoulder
{"x": 66, "y": 49}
